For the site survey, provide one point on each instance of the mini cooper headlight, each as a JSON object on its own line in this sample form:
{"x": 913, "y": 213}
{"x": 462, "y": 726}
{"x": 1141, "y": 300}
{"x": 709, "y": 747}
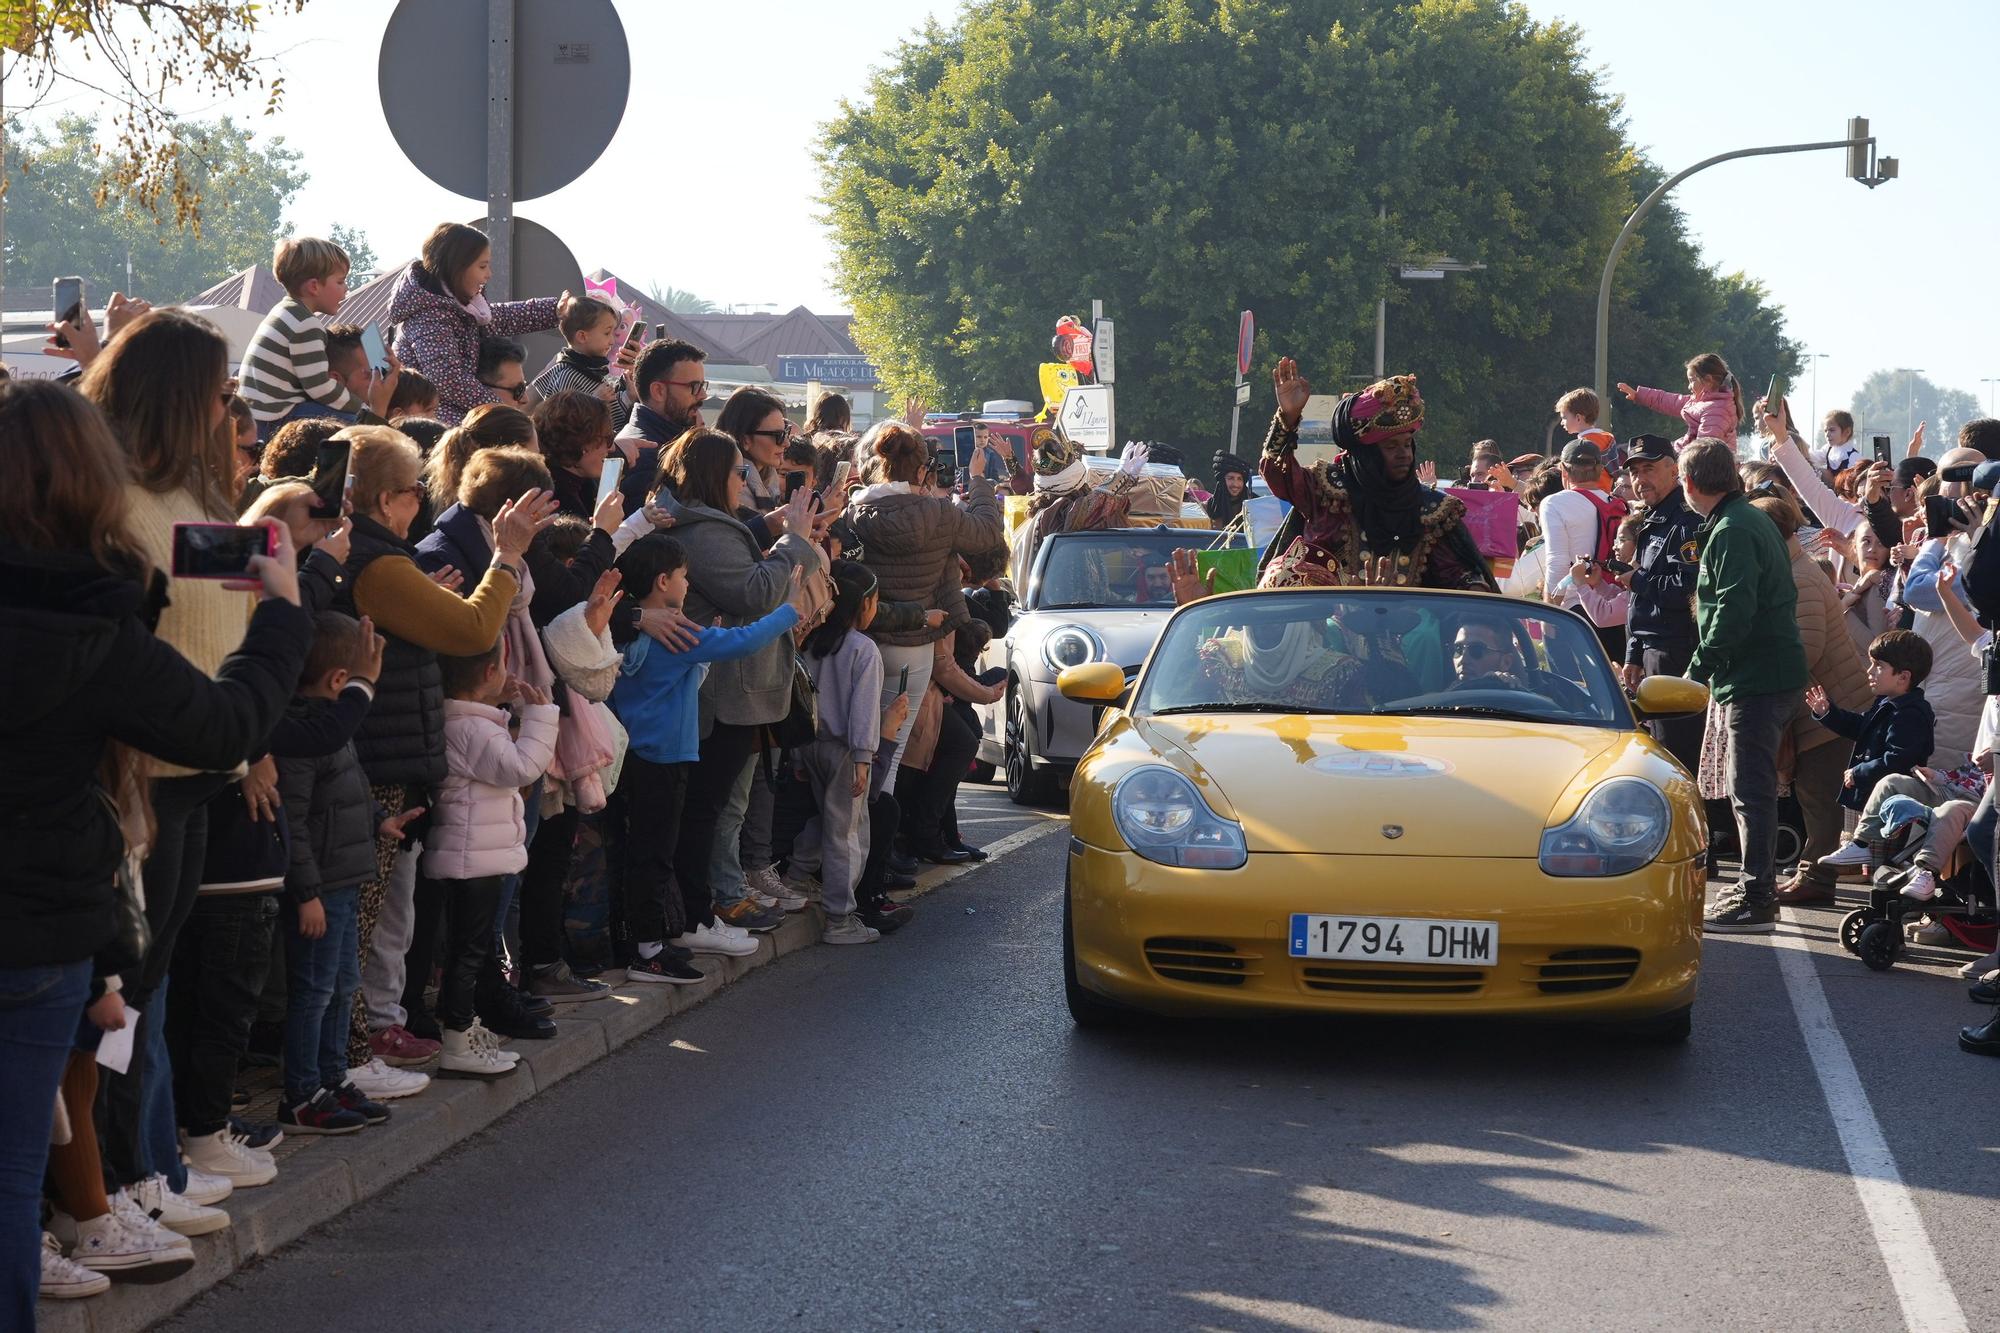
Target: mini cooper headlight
{"x": 1621, "y": 826}
{"x": 1071, "y": 645}
{"x": 1163, "y": 818}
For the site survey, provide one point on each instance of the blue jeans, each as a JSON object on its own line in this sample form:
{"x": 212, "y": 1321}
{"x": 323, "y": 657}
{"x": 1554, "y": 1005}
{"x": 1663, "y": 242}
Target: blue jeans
{"x": 305, "y": 411}
{"x": 321, "y": 977}
{"x": 39, "y": 1007}
{"x": 159, "y": 1124}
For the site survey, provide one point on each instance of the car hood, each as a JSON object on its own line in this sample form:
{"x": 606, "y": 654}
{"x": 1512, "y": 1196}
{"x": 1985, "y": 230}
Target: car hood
{"x": 1448, "y": 786}
{"x": 1128, "y": 635}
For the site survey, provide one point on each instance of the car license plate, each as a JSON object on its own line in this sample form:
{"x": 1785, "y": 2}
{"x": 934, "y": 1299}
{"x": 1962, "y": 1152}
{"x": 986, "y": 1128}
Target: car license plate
{"x": 1396, "y": 939}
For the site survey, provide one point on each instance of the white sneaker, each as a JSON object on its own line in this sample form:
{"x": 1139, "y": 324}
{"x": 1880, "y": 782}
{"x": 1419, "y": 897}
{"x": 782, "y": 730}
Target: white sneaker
{"x": 771, "y": 887}
{"x": 222, "y": 1154}
{"x": 116, "y": 1243}
{"x": 1922, "y": 885}
{"x": 381, "y": 1082}
{"x": 1931, "y": 932}
{"x": 802, "y": 884}
{"x": 206, "y": 1188}
{"x": 66, "y": 1279}
{"x": 1980, "y": 968}
{"x": 1847, "y": 854}
{"x": 715, "y": 939}
{"x": 727, "y": 931}
{"x": 174, "y": 1211}
{"x": 848, "y": 929}
{"x": 475, "y": 1051}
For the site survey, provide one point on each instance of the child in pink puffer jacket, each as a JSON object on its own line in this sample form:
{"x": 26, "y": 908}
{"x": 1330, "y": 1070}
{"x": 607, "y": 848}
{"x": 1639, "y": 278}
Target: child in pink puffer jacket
{"x": 1712, "y": 407}
{"x": 478, "y": 836}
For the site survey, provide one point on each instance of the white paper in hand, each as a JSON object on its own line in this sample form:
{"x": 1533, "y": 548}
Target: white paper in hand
{"x": 114, "y": 1049}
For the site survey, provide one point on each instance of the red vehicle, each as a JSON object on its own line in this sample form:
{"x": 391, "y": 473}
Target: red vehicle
{"x": 1013, "y": 437}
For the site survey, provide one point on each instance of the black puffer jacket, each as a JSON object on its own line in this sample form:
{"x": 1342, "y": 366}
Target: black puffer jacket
{"x": 912, "y": 542}
{"x": 330, "y": 810}
{"x": 79, "y": 668}
{"x": 401, "y": 741}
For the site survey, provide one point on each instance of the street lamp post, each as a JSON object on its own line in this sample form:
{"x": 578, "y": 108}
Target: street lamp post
{"x": 1862, "y": 165}
{"x": 1910, "y": 384}
{"x": 1409, "y": 271}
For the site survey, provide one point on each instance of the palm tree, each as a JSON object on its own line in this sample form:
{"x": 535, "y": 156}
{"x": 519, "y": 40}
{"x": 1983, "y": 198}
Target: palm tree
{"x": 678, "y": 301}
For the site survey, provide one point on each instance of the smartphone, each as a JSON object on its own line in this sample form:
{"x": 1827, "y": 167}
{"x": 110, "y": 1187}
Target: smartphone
{"x": 219, "y": 550}
{"x": 1772, "y": 402}
{"x": 660, "y": 332}
{"x": 963, "y": 439}
{"x": 1882, "y": 445}
{"x": 1941, "y": 513}
{"x": 903, "y": 683}
{"x": 841, "y": 470}
{"x": 796, "y": 481}
{"x": 329, "y": 481}
{"x": 68, "y": 299}
{"x": 1616, "y": 566}
{"x": 607, "y": 480}
{"x": 377, "y": 353}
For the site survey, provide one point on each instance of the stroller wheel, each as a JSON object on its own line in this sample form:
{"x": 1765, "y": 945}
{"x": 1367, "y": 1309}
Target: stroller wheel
{"x": 1851, "y": 927}
{"x": 1879, "y": 944}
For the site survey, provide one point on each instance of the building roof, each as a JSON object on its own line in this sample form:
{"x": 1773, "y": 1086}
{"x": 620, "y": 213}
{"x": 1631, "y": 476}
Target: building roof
{"x": 254, "y": 288}
{"x": 680, "y": 326}
{"x": 797, "y": 332}
{"x": 369, "y": 304}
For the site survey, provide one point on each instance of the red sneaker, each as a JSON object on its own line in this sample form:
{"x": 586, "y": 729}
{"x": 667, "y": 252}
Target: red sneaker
{"x": 398, "y": 1046}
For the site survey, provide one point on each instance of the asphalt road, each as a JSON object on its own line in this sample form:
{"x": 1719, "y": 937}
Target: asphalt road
{"x": 911, "y": 1136}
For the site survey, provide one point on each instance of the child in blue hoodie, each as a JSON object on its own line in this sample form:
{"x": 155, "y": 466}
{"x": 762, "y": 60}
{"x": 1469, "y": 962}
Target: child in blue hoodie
{"x": 658, "y": 699}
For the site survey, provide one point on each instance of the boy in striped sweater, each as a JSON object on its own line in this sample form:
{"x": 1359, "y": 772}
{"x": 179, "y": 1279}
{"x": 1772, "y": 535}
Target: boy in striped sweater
{"x": 589, "y": 325}
{"x": 286, "y": 373}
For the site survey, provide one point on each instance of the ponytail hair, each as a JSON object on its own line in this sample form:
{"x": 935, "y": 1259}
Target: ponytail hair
{"x": 1710, "y": 365}
{"x": 853, "y": 584}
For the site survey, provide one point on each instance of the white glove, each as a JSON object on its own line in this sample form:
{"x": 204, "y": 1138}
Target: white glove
{"x": 1134, "y": 459}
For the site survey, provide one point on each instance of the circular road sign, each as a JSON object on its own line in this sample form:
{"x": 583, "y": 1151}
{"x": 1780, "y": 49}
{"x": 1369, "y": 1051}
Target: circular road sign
{"x": 1246, "y": 337}
{"x": 543, "y": 266}
{"x": 572, "y": 74}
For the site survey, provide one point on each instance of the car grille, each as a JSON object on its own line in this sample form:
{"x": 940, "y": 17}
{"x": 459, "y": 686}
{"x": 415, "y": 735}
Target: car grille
{"x": 1374, "y": 979}
{"x": 1576, "y": 971}
{"x": 1204, "y": 962}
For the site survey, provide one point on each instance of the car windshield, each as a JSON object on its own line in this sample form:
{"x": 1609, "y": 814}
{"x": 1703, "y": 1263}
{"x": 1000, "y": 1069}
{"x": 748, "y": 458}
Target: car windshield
{"x": 1383, "y": 653}
{"x": 1113, "y": 569}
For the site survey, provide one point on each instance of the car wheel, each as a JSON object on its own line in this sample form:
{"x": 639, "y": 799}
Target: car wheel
{"x": 1025, "y": 786}
{"x": 1669, "y": 1029}
{"x": 1087, "y": 1009}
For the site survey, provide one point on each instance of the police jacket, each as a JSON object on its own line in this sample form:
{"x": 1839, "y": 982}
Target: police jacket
{"x": 1663, "y": 577}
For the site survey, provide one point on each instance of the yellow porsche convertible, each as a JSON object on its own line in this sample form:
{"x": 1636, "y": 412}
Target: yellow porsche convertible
{"x": 1382, "y": 800}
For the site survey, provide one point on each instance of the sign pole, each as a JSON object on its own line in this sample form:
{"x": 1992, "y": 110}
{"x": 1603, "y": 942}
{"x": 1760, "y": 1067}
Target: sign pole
{"x": 1246, "y": 338}
{"x": 500, "y": 146}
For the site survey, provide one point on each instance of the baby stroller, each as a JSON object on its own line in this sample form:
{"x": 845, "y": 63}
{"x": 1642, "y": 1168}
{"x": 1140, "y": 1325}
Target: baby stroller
{"x": 1963, "y": 905}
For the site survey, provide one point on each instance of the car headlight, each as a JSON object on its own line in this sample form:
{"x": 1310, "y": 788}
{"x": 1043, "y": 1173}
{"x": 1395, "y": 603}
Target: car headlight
{"x": 1621, "y": 825}
{"x": 1071, "y": 645}
{"x": 1163, "y": 818}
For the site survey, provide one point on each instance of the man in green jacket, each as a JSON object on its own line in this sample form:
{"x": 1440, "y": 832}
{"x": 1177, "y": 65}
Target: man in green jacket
{"x": 1747, "y": 650}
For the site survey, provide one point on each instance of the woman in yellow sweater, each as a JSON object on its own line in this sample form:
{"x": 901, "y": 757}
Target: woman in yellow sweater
{"x": 401, "y": 744}
{"x": 163, "y": 384}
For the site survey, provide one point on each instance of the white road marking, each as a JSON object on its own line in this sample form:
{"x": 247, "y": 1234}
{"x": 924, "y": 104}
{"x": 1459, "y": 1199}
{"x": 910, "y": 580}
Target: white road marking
{"x": 1922, "y": 1289}
{"x": 938, "y": 876}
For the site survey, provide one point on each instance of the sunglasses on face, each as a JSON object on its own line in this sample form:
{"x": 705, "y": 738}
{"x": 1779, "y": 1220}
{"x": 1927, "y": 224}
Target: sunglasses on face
{"x": 515, "y": 391}
{"x": 1477, "y": 652}
{"x": 776, "y": 436}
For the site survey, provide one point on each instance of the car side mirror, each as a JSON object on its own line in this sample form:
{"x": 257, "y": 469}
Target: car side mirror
{"x": 1668, "y": 696}
{"x": 1092, "y": 683}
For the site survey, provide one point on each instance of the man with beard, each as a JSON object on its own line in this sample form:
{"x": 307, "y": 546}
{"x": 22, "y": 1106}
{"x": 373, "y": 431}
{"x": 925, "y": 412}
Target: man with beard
{"x": 1366, "y": 506}
{"x": 671, "y": 389}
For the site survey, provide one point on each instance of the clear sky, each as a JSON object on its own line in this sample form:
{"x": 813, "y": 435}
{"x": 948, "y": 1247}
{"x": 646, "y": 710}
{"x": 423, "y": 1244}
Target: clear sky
{"x": 1900, "y": 276}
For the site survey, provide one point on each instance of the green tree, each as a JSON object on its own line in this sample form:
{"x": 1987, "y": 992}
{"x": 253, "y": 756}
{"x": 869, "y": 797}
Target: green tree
{"x": 1888, "y": 401}
{"x": 55, "y": 228}
{"x": 1184, "y": 161}
{"x": 679, "y": 301}
{"x": 361, "y": 255}
{"x": 133, "y": 54}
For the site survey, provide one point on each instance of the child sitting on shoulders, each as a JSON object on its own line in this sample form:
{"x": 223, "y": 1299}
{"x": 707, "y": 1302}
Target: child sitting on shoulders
{"x": 589, "y": 325}
{"x": 479, "y": 835}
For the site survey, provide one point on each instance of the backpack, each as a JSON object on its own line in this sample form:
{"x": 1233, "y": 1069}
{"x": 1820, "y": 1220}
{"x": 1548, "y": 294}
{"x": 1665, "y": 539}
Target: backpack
{"x": 1611, "y": 511}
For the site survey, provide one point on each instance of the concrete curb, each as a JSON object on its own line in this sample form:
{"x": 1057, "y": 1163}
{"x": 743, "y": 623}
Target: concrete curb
{"x": 323, "y": 1177}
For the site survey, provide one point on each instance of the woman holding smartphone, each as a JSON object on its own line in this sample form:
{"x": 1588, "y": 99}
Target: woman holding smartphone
{"x": 92, "y": 691}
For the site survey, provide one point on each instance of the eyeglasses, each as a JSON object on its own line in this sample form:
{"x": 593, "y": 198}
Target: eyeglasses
{"x": 515, "y": 391}
{"x": 699, "y": 388}
{"x": 1477, "y": 652}
{"x": 777, "y": 435}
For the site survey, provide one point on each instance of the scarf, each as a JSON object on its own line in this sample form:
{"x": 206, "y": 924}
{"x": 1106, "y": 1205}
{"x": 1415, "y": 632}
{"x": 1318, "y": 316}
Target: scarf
{"x": 481, "y": 312}
{"x": 1268, "y": 670}
{"x": 1068, "y": 478}
{"x": 585, "y": 364}
{"x": 1389, "y": 512}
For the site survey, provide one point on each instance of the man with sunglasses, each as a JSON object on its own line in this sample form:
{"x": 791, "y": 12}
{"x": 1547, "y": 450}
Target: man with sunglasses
{"x": 1482, "y": 649}
{"x": 501, "y": 370}
{"x": 671, "y": 387}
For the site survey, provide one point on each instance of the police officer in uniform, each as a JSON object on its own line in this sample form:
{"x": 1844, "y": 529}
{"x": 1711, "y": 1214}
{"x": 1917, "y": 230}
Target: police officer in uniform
{"x": 1660, "y": 633}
